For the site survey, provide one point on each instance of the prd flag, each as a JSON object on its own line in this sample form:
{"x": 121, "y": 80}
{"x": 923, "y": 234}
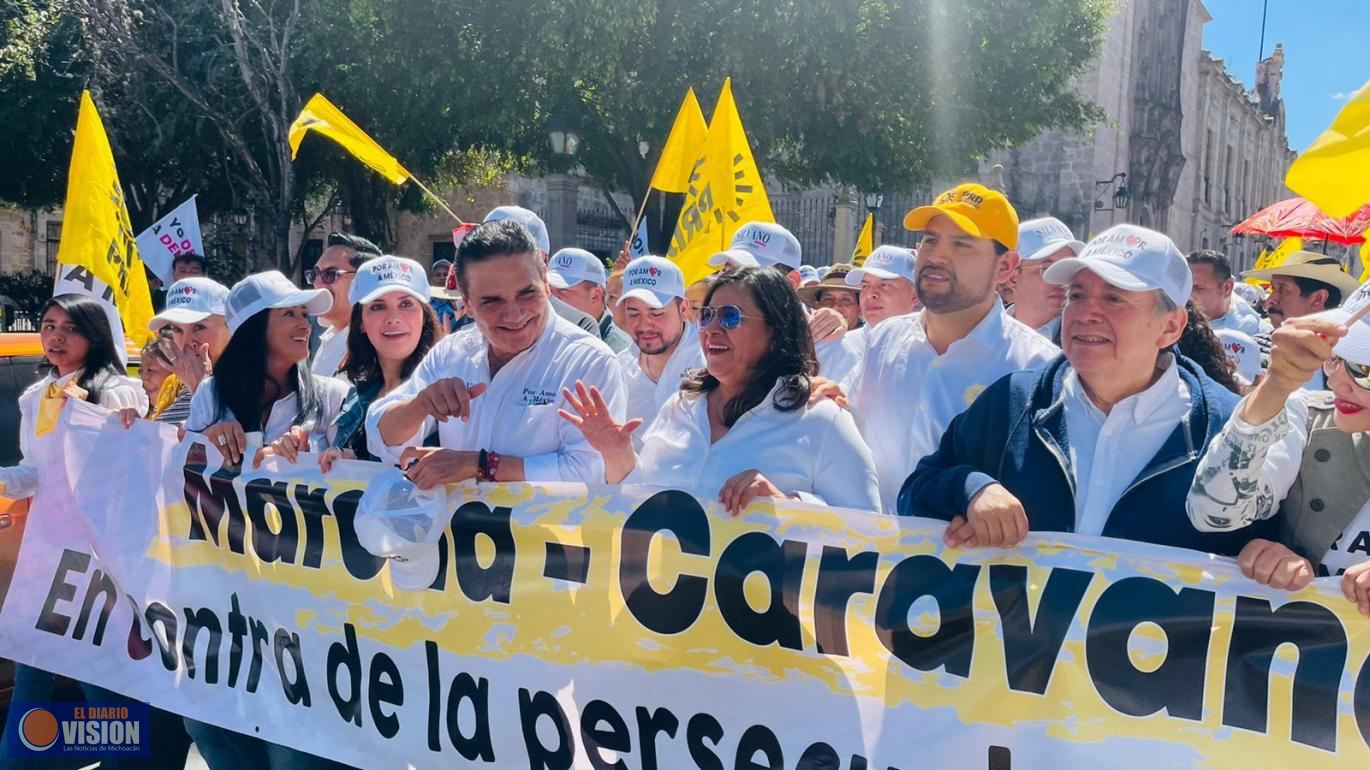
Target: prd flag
{"x": 97, "y": 238}
{"x": 865, "y": 242}
{"x": 175, "y": 234}
{"x": 1365, "y": 259}
{"x": 322, "y": 116}
{"x": 1334, "y": 172}
{"x": 683, "y": 145}
{"x": 724, "y": 193}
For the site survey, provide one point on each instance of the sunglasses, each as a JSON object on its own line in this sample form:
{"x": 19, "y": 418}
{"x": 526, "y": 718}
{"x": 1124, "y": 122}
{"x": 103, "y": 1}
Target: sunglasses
{"x": 729, "y": 316}
{"x": 329, "y": 276}
{"x": 1359, "y": 373}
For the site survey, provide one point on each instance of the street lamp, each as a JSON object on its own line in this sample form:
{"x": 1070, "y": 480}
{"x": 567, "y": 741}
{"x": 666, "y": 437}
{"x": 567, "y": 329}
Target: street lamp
{"x": 874, "y": 201}
{"x": 1117, "y": 186}
{"x": 565, "y": 140}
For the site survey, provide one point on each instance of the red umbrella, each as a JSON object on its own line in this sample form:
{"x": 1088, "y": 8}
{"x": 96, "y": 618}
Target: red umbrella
{"x": 1297, "y": 218}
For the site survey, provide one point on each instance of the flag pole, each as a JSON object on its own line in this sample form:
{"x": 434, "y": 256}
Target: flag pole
{"x": 436, "y": 199}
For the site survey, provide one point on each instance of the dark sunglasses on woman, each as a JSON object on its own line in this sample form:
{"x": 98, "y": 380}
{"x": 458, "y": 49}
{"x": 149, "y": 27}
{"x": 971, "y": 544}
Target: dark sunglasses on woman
{"x": 1359, "y": 373}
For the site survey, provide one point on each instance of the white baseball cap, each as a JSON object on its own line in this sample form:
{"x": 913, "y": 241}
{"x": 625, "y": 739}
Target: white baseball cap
{"x": 264, "y": 291}
{"x": 1131, "y": 258}
{"x": 386, "y": 274}
{"x": 654, "y": 280}
{"x": 769, "y": 243}
{"x": 190, "y": 300}
{"x": 734, "y": 257}
{"x": 571, "y": 266}
{"x": 1243, "y": 351}
{"x": 885, "y": 262}
{"x": 808, "y": 275}
{"x": 1040, "y": 238}
{"x": 536, "y": 227}
{"x": 398, "y": 521}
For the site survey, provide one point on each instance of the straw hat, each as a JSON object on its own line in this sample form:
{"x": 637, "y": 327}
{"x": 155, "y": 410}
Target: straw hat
{"x": 836, "y": 278}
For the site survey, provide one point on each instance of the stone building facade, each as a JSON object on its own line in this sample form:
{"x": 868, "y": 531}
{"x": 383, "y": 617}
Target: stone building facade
{"x": 1195, "y": 150}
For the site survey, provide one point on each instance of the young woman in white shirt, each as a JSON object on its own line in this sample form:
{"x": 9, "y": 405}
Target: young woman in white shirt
{"x": 262, "y": 382}
{"x": 78, "y": 347}
{"x": 392, "y": 327}
{"x": 742, "y": 427}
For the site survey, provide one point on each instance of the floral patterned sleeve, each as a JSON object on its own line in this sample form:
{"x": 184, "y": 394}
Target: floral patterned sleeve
{"x": 1247, "y": 470}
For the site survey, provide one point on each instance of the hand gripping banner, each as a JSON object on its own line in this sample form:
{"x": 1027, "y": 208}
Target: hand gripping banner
{"x": 574, "y": 627}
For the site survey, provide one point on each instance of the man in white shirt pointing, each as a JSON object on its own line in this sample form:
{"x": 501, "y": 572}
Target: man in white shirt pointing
{"x": 665, "y": 343}
{"x": 919, "y": 371}
{"x": 493, "y": 395}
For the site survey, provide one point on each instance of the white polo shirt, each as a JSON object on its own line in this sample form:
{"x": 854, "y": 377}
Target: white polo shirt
{"x": 813, "y": 451}
{"x": 904, "y": 394}
{"x": 517, "y": 415}
{"x": 20, "y": 481}
{"x": 204, "y": 408}
{"x": 329, "y": 355}
{"x": 644, "y": 397}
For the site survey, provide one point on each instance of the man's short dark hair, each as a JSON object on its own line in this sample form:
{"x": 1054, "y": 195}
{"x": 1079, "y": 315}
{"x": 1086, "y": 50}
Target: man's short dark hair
{"x": 362, "y": 249}
{"x": 999, "y": 249}
{"x": 1221, "y": 267}
{"x": 189, "y": 258}
{"x": 1309, "y": 285}
{"x": 500, "y": 238}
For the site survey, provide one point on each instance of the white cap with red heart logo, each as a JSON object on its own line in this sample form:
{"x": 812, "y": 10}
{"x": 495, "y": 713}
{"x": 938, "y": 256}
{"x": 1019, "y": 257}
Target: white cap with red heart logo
{"x": 653, "y": 280}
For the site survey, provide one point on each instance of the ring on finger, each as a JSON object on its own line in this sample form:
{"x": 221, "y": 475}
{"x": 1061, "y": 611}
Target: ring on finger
{"x": 221, "y": 439}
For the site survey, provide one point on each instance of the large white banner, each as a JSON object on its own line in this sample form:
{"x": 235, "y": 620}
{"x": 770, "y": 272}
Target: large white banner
{"x": 580, "y": 627}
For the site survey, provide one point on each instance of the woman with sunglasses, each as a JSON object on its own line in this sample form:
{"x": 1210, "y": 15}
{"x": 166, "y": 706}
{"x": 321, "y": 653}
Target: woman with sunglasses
{"x": 1305, "y": 457}
{"x": 392, "y": 327}
{"x": 742, "y": 427}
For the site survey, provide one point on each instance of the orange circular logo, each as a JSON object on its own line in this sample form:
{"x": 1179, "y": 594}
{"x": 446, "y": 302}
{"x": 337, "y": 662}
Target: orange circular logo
{"x": 38, "y": 729}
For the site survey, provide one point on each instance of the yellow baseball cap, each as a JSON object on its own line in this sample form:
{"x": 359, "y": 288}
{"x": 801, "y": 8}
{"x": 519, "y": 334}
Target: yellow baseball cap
{"x": 976, "y": 209}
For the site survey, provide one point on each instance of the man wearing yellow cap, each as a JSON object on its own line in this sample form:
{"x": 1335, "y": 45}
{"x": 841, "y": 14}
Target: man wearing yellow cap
{"x": 920, "y": 371}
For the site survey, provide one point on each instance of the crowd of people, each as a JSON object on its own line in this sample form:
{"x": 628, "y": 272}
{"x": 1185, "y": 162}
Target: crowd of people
{"x": 1006, "y": 377}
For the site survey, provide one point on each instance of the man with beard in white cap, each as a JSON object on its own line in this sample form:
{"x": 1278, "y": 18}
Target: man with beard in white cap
{"x": 578, "y": 278}
{"x": 1041, "y": 243}
{"x": 665, "y": 343}
{"x": 538, "y": 229}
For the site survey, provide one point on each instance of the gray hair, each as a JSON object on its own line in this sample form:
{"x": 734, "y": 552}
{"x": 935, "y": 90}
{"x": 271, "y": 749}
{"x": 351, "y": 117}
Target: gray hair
{"x": 1164, "y": 304}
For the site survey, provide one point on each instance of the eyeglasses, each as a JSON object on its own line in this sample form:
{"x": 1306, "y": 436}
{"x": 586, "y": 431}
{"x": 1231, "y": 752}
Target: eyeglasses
{"x": 729, "y": 316}
{"x": 329, "y": 276}
{"x": 1359, "y": 373}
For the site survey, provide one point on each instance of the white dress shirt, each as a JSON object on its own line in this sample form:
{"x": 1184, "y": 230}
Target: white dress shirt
{"x": 329, "y": 355}
{"x": 837, "y": 358}
{"x": 1108, "y": 452}
{"x": 517, "y": 415}
{"x": 904, "y": 394}
{"x": 204, "y": 412}
{"x": 20, "y": 481}
{"x": 813, "y": 452}
{"x": 645, "y": 397}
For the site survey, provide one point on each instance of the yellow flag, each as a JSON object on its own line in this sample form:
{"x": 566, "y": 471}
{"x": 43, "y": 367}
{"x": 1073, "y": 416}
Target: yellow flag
{"x": 865, "y": 242}
{"x": 320, "y": 115}
{"x": 96, "y": 234}
{"x": 683, "y": 145}
{"x": 1334, "y": 172}
{"x": 724, "y": 193}
{"x": 1275, "y": 257}
{"x": 1365, "y": 259}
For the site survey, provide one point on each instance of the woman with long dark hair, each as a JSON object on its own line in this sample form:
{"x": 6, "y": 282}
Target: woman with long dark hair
{"x": 743, "y": 426}
{"x": 393, "y": 325}
{"x": 82, "y": 362}
{"x": 1200, "y": 344}
{"x": 261, "y": 382}
{"x": 262, "y": 386}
